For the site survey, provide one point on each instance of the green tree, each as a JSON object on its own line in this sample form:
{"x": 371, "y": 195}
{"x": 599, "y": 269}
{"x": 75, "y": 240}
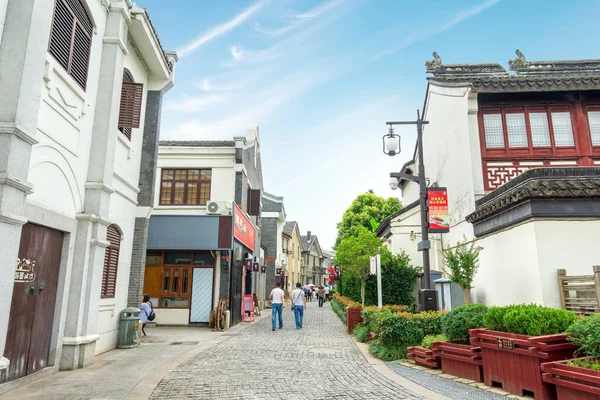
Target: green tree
{"x": 365, "y": 208}
{"x": 462, "y": 263}
{"x": 353, "y": 253}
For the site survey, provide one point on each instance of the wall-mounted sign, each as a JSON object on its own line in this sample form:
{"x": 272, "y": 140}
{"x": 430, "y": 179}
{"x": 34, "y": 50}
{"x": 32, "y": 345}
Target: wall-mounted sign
{"x": 278, "y": 271}
{"x": 255, "y": 267}
{"x": 25, "y": 270}
{"x": 243, "y": 229}
{"x": 263, "y": 269}
{"x": 248, "y": 264}
{"x": 439, "y": 215}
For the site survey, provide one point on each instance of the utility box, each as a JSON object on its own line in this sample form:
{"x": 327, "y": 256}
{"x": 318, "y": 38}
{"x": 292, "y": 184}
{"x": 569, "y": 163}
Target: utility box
{"x": 450, "y": 294}
{"x": 129, "y": 325}
{"x": 428, "y": 300}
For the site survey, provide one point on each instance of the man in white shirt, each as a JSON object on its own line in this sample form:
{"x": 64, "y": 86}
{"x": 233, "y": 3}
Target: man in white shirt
{"x": 276, "y": 297}
{"x": 299, "y": 304}
{"x": 327, "y": 293}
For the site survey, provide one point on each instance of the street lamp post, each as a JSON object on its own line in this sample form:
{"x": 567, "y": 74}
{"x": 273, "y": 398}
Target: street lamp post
{"x": 391, "y": 143}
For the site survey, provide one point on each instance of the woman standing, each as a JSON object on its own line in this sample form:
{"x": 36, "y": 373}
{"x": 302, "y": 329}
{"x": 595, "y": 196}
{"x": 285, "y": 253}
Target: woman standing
{"x": 146, "y": 311}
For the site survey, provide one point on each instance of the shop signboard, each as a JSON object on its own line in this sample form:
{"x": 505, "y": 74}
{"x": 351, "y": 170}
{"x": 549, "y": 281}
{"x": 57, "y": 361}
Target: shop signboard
{"x": 248, "y": 264}
{"x": 243, "y": 229}
{"x": 255, "y": 267}
{"x": 439, "y": 215}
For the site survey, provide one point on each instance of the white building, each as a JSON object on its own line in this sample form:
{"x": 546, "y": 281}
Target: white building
{"x": 204, "y": 233}
{"x": 81, "y": 83}
{"x": 500, "y": 143}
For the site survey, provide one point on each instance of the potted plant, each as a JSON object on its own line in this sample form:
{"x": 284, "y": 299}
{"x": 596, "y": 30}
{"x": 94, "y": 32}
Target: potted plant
{"x": 456, "y": 355}
{"x": 461, "y": 264}
{"x": 517, "y": 339}
{"x": 578, "y": 378}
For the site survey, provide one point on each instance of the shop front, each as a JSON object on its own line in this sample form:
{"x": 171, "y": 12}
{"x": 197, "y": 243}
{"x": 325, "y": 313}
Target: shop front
{"x": 245, "y": 267}
{"x": 183, "y": 266}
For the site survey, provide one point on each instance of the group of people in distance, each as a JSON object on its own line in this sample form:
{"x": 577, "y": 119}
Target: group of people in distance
{"x": 300, "y": 295}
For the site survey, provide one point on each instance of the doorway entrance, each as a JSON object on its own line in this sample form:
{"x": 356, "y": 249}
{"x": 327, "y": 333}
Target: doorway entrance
{"x": 33, "y": 300}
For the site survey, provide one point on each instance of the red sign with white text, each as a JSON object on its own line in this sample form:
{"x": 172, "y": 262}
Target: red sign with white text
{"x": 243, "y": 229}
{"x": 439, "y": 214}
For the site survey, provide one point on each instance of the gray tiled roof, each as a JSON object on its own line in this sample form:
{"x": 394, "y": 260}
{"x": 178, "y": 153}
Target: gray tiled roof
{"x": 198, "y": 143}
{"x": 288, "y": 229}
{"x": 306, "y": 242}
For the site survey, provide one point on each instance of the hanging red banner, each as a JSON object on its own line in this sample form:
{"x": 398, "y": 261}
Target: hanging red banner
{"x": 439, "y": 214}
{"x": 243, "y": 229}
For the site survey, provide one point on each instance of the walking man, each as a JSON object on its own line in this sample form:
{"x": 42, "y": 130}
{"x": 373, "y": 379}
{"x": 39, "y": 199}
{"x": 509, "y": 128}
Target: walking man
{"x": 276, "y": 298}
{"x": 299, "y": 304}
{"x": 321, "y": 296}
{"x": 327, "y": 293}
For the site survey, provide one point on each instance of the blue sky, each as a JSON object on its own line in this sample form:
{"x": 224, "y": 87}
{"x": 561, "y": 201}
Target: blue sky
{"x": 320, "y": 78}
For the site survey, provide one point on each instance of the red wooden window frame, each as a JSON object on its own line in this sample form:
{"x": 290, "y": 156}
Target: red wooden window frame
{"x": 595, "y": 108}
{"x": 111, "y": 263}
{"x": 169, "y": 186}
{"x": 529, "y": 151}
{"x": 71, "y": 39}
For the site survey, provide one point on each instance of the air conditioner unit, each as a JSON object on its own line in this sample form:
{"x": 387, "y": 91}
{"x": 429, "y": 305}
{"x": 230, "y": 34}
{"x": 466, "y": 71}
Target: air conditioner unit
{"x": 218, "y": 208}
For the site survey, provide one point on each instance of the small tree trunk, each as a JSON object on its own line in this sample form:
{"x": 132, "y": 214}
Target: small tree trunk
{"x": 362, "y": 290}
{"x": 465, "y": 296}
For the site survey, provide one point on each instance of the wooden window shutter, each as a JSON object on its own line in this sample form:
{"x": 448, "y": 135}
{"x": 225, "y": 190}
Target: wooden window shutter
{"x": 254, "y": 201}
{"x": 61, "y": 34}
{"x": 111, "y": 263}
{"x": 131, "y": 105}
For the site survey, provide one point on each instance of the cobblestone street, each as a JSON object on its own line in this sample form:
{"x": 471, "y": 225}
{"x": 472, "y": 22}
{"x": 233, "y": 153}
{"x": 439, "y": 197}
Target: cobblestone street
{"x": 319, "y": 361}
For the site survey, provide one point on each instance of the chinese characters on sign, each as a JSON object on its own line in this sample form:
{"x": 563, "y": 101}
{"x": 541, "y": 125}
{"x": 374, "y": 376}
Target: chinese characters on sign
{"x": 243, "y": 229}
{"x": 24, "y": 271}
{"x": 248, "y": 264}
{"x": 506, "y": 344}
{"x": 439, "y": 215}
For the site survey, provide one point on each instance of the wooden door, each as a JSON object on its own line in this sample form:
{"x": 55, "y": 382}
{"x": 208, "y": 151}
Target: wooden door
{"x": 34, "y": 297}
{"x": 235, "y": 302}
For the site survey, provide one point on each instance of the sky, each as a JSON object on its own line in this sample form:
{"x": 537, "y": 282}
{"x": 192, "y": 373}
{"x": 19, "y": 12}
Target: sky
{"x": 321, "y": 78}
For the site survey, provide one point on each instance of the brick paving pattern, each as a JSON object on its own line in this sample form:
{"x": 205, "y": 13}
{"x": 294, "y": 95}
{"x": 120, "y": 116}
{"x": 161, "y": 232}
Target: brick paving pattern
{"x": 319, "y": 361}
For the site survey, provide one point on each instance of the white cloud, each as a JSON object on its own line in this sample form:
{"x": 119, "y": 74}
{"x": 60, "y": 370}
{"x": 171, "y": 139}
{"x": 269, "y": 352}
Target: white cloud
{"x": 206, "y": 85}
{"x": 238, "y": 54}
{"x": 456, "y": 19}
{"x": 196, "y": 104}
{"x": 221, "y": 29}
{"x": 241, "y": 56}
{"x": 272, "y": 32}
{"x": 315, "y": 12}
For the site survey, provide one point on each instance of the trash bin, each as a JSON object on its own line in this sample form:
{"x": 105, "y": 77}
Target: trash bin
{"x": 128, "y": 328}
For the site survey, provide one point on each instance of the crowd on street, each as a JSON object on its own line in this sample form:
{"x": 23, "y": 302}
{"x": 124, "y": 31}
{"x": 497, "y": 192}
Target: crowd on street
{"x": 298, "y": 299}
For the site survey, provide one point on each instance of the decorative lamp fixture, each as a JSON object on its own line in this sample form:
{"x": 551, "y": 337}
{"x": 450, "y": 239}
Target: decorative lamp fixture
{"x": 393, "y": 183}
{"x": 391, "y": 143}
{"x": 413, "y": 235}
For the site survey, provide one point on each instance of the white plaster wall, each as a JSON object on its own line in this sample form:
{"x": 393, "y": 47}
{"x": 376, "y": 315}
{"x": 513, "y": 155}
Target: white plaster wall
{"x": 165, "y": 316}
{"x": 570, "y": 245}
{"x": 509, "y": 272}
{"x": 220, "y": 161}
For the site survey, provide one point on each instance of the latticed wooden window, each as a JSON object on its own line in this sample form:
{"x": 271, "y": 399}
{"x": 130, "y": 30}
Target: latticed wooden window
{"x": 71, "y": 39}
{"x": 111, "y": 262}
{"x": 126, "y": 130}
{"x": 189, "y": 187}
{"x": 130, "y": 110}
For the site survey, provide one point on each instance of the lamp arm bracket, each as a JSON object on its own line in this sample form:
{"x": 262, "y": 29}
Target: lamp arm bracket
{"x": 401, "y": 175}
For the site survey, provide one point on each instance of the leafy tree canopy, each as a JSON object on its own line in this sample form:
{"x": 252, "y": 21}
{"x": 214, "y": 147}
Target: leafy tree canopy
{"x": 365, "y": 208}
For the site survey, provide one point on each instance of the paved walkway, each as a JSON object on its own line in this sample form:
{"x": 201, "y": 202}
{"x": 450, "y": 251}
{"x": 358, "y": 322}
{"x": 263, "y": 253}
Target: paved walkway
{"x": 319, "y": 361}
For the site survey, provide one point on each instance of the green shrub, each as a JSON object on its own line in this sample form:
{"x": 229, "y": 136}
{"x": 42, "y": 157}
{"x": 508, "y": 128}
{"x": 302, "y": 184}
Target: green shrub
{"x": 586, "y": 333}
{"x": 399, "y": 330}
{"x": 459, "y": 320}
{"x": 360, "y": 332}
{"x": 338, "y": 309}
{"x": 429, "y": 339}
{"x": 386, "y": 353}
{"x": 332, "y": 292}
{"x": 430, "y": 322}
{"x": 529, "y": 319}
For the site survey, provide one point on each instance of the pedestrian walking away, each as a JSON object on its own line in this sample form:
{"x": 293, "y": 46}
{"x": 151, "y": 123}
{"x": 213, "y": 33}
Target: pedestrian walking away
{"x": 299, "y": 304}
{"x": 327, "y": 293}
{"x": 321, "y": 295}
{"x": 276, "y": 298}
{"x": 147, "y": 313}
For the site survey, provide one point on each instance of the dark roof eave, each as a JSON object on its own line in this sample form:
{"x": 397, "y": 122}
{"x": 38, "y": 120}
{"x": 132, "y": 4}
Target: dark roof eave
{"x": 386, "y": 222}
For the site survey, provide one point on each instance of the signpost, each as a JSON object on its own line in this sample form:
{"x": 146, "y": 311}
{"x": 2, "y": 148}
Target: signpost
{"x": 373, "y": 261}
{"x": 379, "y": 299}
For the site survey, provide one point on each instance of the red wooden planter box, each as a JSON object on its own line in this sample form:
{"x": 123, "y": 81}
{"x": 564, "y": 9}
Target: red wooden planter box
{"x": 423, "y": 357}
{"x": 512, "y": 361}
{"x": 572, "y": 382}
{"x": 459, "y": 360}
{"x": 353, "y": 318}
